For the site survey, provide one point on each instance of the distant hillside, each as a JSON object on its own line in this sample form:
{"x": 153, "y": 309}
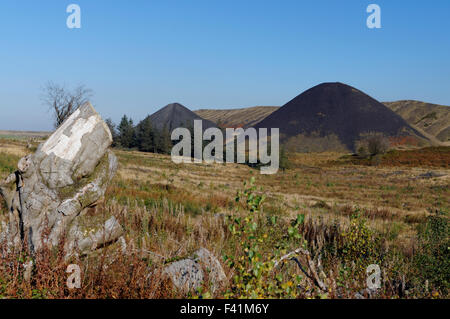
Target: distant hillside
{"x": 24, "y": 134}
{"x": 243, "y": 117}
{"x": 176, "y": 115}
{"x": 431, "y": 118}
{"x": 332, "y": 116}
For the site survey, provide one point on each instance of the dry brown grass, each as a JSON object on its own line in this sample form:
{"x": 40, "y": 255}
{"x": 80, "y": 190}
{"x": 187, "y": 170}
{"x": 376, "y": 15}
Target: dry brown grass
{"x": 13, "y": 147}
{"x": 385, "y": 192}
{"x": 170, "y": 210}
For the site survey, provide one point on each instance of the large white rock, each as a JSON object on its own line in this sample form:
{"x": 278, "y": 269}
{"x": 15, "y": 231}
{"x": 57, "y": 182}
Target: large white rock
{"x": 75, "y": 148}
{"x": 52, "y": 188}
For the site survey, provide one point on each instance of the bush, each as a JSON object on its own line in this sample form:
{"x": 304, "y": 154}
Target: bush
{"x": 254, "y": 275}
{"x": 361, "y": 245}
{"x": 284, "y": 160}
{"x": 432, "y": 261}
{"x": 372, "y": 144}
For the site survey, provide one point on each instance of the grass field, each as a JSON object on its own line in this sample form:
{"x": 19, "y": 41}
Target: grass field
{"x": 23, "y": 135}
{"x": 347, "y": 212}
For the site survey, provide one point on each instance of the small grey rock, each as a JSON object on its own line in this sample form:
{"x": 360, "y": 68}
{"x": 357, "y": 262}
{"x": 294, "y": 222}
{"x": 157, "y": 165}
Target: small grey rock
{"x": 189, "y": 274}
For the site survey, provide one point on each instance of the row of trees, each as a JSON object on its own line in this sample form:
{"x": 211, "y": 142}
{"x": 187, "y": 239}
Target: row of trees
{"x": 147, "y": 138}
{"x": 143, "y": 136}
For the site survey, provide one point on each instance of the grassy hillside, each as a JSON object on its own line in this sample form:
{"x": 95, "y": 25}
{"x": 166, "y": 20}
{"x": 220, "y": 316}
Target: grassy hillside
{"x": 243, "y": 117}
{"x": 431, "y": 118}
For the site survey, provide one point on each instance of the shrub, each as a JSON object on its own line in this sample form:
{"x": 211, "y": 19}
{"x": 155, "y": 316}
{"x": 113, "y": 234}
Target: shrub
{"x": 361, "y": 245}
{"x": 284, "y": 159}
{"x": 254, "y": 275}
{"x": 372, "y": 144}
{"x": 433, "y": 260}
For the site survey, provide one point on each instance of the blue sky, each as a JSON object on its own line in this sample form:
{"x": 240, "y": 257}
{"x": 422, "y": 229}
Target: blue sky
{"x": 138, "y": 56}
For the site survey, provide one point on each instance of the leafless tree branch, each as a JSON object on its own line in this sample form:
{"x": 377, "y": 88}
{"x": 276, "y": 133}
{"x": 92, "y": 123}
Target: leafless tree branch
{"x": 62, "y": 101}
{"x": 312, "y": 266}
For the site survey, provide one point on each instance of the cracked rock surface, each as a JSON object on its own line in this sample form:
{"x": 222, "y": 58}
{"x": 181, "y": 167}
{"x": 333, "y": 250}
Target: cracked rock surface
{"x": 53, "y": 187}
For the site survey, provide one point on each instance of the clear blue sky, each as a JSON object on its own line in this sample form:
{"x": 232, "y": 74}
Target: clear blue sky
{"x": 138, "y": 56}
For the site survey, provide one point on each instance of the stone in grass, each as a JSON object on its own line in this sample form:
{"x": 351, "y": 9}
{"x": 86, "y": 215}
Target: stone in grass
{"x": 188, "y": 274}
{"x": 52, "y": 187}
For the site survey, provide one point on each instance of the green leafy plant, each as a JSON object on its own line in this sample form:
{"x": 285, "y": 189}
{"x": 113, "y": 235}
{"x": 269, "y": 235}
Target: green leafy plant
{"x": 360, "y": 245}
{"x": 433, "y": 259}
{"x": 254, "y": 275}
{"x": 293, "y": 230}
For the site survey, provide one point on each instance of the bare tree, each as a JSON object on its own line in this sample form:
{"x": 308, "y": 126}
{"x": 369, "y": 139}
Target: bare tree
{"x": 64, "y": 102}
{"x": 371, "y": 144}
